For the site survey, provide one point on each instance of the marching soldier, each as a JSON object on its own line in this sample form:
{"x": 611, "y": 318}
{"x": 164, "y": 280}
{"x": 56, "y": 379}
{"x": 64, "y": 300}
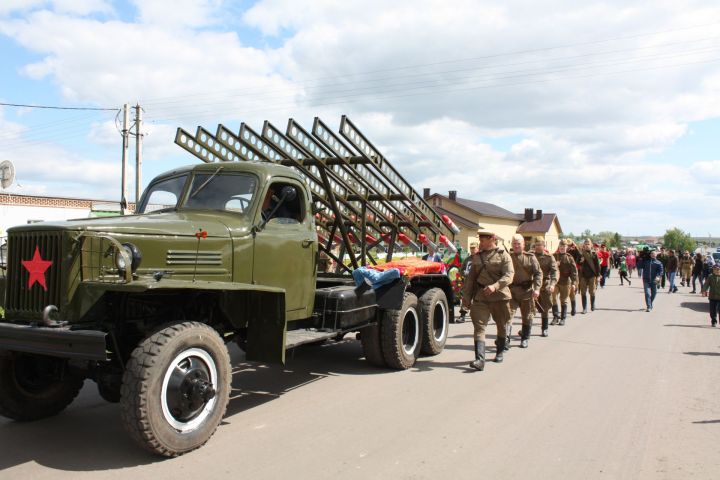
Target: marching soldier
{"x": 686, "y": 265}
{"x": 567, "y": 282}
{"x": 464, "y": 270}
{"x": 525, "y": 287}
{"x": 487, "y": 294}
{"x": 589, "y": 273}
{"x": 549, "y": 268}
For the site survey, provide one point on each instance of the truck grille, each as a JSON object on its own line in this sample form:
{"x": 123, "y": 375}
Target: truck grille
{"x": 21, "y": 296}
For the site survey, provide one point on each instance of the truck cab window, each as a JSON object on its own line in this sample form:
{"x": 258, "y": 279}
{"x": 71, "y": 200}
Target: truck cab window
{"x": 221, "y": 191}
{"x": 163, "y": 195}
{"x": 290, "y": 211}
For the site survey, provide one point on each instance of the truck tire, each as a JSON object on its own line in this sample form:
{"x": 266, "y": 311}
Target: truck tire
{"x": 372, "y": 347}
{"x": 401, "y": 333}
{"x": 176, "y": 388}
{"x": 435, "y": 319}
{"x": 30, "y": 388}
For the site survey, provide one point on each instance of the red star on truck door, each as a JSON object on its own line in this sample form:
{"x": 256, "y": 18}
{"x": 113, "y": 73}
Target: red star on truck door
{"x": 36, "y": 268}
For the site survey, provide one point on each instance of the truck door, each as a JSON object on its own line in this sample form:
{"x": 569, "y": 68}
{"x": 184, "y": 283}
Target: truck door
{"x": 286, "y": 249}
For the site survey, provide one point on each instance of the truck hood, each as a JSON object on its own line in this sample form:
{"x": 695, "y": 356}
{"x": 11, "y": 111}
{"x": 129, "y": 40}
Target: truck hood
{"x": 181, "y": 223}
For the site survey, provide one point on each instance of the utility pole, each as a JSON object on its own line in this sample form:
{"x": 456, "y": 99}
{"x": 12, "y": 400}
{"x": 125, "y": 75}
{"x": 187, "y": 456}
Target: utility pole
{"x": 138, "y": 153}
{"x": 125, "y": 132}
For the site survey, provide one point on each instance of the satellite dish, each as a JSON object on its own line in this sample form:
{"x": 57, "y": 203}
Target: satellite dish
{"x": 7, "y": 174}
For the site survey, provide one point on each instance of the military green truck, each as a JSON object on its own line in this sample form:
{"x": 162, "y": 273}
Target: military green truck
{"x": 227, "y": 250}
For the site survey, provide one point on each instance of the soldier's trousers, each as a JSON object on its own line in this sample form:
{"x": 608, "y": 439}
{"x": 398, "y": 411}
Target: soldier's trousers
{"x": 561, "y": 294}
{"x": 587, "y": 285}
{"x": 480, "y": 313}
{"x": 546, "y": 302}
{"x": 527, "y": 309}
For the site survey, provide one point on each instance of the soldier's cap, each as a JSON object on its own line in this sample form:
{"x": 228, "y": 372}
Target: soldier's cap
{"x": 484, "y": 232}
{"x": 474, "y": 245}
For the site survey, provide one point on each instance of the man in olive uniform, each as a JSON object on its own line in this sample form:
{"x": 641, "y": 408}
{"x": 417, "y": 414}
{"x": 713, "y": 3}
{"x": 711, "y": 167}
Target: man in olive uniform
{"x": 487, "y": 294}
{"x": 589, "y": 273}
{"x": 549, "y": 268}
{"x": 525, "y": 287}
{"x": 464, "y": 270}
{"x": 686, "y": 265}
{"x": 567, "y": 282}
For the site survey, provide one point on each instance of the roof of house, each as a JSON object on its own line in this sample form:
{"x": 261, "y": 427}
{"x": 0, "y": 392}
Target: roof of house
{"x": 482, "y": 208}
{"x": 543, "y": 225}
{"x": 462, "y": 221}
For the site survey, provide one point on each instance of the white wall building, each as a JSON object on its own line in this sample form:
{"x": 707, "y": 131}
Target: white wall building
{"x": 23, "y": 209}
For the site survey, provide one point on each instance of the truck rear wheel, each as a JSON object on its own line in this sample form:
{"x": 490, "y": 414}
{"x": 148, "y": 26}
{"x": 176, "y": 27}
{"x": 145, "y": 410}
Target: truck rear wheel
{"x": 372, "y": 348}
{"x": 176, "y": 389}
{"x": 435, "y": 321}
{"x": 35, "y": 386}
{"x": 401, "y": 333}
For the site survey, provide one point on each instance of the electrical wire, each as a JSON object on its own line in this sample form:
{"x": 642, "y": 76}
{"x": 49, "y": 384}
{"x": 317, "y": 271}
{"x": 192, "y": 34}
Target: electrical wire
{"x": 49, "y": 107}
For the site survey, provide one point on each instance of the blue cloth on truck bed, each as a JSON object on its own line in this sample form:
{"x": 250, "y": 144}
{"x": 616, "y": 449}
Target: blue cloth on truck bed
{"x": 377, "y": 279}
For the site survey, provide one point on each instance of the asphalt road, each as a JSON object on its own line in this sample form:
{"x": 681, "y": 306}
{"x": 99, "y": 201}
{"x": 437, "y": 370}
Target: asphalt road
{"x": 618, "y": 393}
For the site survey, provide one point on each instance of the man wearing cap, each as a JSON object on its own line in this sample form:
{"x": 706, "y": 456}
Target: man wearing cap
{"x": 464, "y": 270}
{"x": 567, "y": 281}
{"x": 589, "y": 273}
{"x": 487, "y": 294}
{"x": 525, "y": 287}
{"x": 549, "y": 269}
{"x": 711, "y": 289}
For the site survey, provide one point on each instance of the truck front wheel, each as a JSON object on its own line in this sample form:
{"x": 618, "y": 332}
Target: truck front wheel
{"x": 34, "y": 386}
{"x": 176, "y": 388}
{"x": 435, "y": 320}
{"x": 401, "y": 332}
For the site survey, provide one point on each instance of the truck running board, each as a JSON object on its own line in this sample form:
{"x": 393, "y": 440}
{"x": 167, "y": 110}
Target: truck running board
{"x": 295, "y": 338}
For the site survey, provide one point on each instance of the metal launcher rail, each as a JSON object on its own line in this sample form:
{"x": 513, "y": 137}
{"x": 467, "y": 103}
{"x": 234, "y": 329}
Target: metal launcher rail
{"x": 360, "y": 201}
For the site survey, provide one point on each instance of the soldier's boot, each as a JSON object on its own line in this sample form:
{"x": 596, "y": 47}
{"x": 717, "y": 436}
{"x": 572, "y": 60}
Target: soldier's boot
{"x": 525, "y": 336}
{"x": 508, "y": 332}
{"x": 544, "y": 332}
{"x": 479, "y": 363}
{"x": 584, "y": 303}
{"x": 555, "y": 315}
{"x": 500, "y": 344}
{"x": 592, "y": 303}
{"x": 572, "y": 307}
{"x": 563, "y": 314}
{"x": 461, "y": 318}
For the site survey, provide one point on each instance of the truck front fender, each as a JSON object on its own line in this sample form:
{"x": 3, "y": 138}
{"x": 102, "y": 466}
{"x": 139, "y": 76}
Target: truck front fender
{"x": 260, "y": 309}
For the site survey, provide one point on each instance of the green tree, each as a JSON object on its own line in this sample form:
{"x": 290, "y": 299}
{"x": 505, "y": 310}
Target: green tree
{"x": 678, "y": 240}
{"x": 587, "y": 233}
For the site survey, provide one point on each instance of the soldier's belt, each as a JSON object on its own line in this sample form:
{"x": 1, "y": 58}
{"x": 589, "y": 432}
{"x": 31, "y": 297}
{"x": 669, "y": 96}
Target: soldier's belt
{"x": 527, "y": 284}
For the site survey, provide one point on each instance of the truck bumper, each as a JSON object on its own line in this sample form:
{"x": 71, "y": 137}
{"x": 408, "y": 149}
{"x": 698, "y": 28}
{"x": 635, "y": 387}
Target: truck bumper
{"x": 55, "y": 342}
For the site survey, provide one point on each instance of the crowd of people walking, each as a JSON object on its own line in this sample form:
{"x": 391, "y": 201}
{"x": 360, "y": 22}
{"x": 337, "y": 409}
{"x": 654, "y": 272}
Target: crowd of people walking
{"x": 498, "y": 282}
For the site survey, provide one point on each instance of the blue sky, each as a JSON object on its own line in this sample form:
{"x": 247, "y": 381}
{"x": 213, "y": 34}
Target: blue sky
{"x": 604, "y": 113}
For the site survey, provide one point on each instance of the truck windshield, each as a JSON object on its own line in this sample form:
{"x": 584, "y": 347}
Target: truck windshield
{"x": 232, "y": 192}
{"x": 163, "y": 195}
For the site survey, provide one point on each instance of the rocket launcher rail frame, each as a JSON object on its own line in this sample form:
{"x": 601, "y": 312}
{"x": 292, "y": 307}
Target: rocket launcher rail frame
{"x": 357, "y": 194}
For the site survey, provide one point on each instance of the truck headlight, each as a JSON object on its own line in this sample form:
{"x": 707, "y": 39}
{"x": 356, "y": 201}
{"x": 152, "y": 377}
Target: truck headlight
{"x": 133, "y": 254}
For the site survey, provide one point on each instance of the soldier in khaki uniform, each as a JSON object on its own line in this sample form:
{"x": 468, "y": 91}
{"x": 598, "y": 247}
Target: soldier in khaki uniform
{"x": 525, "y": 287}
{"x": 567, "y": 282}
{"x": 686, "y": 265}
{"x": 487, "y": 294}
{"x": 549, "y": 268}
{"x": 589, "y": 273}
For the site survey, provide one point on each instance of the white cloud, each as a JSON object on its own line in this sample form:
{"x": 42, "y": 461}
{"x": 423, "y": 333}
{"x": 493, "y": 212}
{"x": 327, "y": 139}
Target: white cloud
{"x": 433, "y": 85}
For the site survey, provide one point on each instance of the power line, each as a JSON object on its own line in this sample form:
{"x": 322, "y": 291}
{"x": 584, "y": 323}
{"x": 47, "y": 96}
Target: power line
{"x": 49, "y": 107}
